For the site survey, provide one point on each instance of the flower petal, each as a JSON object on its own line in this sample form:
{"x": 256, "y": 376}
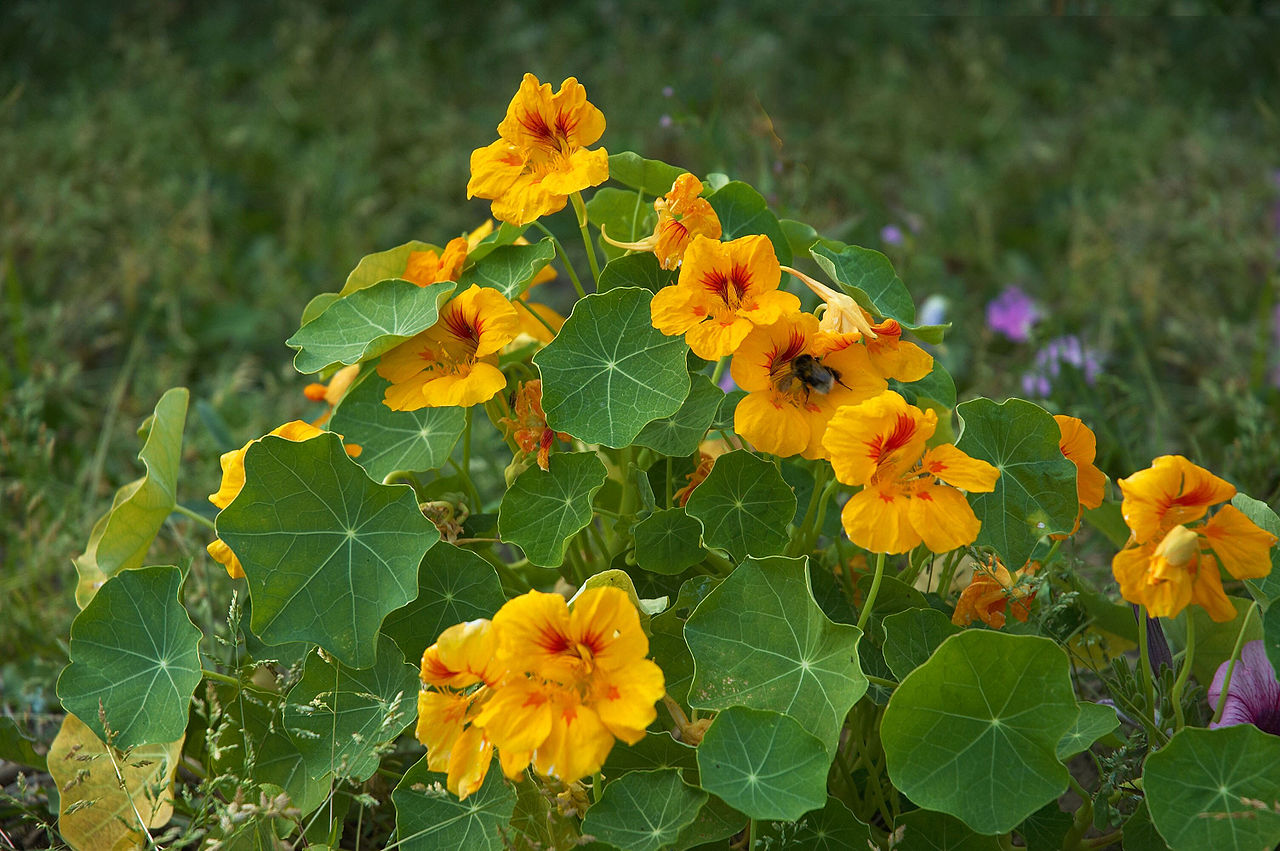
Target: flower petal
{"x": 959, "y": 470}
{"x": 877, "y": 519}
{"x": 943, "y": 518}
{"x": 1243, "y": 547}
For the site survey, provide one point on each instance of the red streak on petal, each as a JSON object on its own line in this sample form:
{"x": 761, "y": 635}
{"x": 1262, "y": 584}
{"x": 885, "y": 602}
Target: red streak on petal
{"x": 904, "y": 428}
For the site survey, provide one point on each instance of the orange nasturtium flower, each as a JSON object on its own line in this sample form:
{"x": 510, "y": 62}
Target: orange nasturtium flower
{"x": 909, "y": 494}
{"x": 233, "y": 482}
{"x": 724, "y": 290}
{"x": 541, "y": 683}
{"x": 991, "y": 590}
{"x": 454, "y": 362}
{"x": 331, "y": 394}
{"x": 427, "y": 267}
{"x": 1080, "y": 447}
{"x": 1172, "y": 560}
{"x": 682, "y": 215}
{"x": 794, "y": 388}
{"x": 529, "y": 425}
{"x": 697, "y": 477}
{"x": 541, "y": 156}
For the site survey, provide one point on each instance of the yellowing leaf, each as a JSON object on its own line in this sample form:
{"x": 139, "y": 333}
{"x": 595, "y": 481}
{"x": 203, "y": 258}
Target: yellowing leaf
{"x": 94, "y": 812}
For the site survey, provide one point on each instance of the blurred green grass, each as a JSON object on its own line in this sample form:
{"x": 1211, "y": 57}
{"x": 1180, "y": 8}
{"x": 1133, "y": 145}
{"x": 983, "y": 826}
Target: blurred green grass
{"x": 179, "y": 180}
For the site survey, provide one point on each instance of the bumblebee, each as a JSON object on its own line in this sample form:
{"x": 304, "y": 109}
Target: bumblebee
{"x": 812, "y": 376}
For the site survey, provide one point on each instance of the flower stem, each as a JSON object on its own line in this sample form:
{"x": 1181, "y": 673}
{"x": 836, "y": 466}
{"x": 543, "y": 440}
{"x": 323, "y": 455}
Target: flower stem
{"x": 187, "y": 512}
{"x": 537, "y": 316}
{"x": 564, "y": 258}
{"x": 719, "y": 370}
{"x": 581, "y": 209}
{"x": 1231, "y": 667}
{"x": 871, "y": 595}
{"x": 1180, "y": 683}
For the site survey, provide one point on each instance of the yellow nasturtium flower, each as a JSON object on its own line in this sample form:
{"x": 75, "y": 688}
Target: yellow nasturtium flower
{"x": 541, "y": 156}
{"x": 794, "y": 388}
{"x": 541, "y": 684}
{"x": 724, "y": 290}
{"x": 1171, "y": 559}
{"x": 909, "y": 493}
{"x": 454, "y": 362}
{"x": 1080, "y": 447}
{"x": 233, "y": 482}
{"x": 682, "y": 215}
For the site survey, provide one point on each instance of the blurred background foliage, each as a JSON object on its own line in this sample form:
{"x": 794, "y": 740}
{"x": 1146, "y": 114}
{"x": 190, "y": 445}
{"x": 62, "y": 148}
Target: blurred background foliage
{"x": 179, "y": 179}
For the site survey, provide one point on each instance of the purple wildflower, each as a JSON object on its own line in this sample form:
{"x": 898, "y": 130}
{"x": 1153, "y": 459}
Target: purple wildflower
{"x": 1012, "y": 313}
{"x": 667, "y": 91}
{"x": 665, "y": 121}
{"x": 891, "y": 235}
{"x": 1253, "y": 695}
{"x": 726, "y": 382}
{"x": 1049, "y": 361}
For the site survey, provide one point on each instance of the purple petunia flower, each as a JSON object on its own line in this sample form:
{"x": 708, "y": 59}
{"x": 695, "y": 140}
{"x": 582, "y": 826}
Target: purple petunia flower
{"x": 1253, "y": 695}
{"x": 1012, "y": 313}
{"x": 891, "y": 235}
{"x": 1049, "y": 361}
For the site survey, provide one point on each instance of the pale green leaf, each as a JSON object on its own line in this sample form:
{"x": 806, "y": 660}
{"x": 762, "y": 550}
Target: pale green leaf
{"x": 635, "y": 270}
{"x": 680, "y": 433}
{"x": 121, "y": 537}
{"x": 134, "y": 654}
{"x": 743, "y": 211}
{"x": 1094, "y": 722}
{"x": 653, "y": 177}
{"x": 744, "y": 506}
{"x": 868, "y": 276}
{"x": 328, "y": 553}
{"x": 668, "y": 542}
{"x": 383, "y": 265}
{"x": 509, "y": 269}
{"x": 609, "y": 372}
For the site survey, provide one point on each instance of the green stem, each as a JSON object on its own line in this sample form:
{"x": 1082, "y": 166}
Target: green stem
{"x": 221, "y": 678}
{"x": 1235, "y": 655}
{"x": 1180, "y": 683}
{"x": 821, "y": 517}
{"x": 1083, "y": 817}
{"x": 537, "y": 316}
{"x": 719, "y": 370}
{"x": 870, "y": 602}
{"x": 564, "y": 258}
{"x": 881, "y": 681}
{"x": 801, "y": 542}
{"x": 199, "y": 518}
{"x": 581, "y": 209}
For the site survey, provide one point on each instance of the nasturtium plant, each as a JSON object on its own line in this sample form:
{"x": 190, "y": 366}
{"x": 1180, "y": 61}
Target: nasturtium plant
{"x": 526, "y": 581}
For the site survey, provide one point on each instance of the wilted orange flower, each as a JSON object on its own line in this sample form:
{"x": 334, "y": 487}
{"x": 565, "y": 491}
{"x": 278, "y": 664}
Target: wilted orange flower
{"x": 991, "y": 590}
{"x": 427, "y": 267}
{"x": 1171, "y": 560}
{"x": 540, "y": 157}
{"x": 725, "y": 289}
{"x": 454, "y": 362}
{"x": 909, "y": 494}
{"x": 697, "y": 477}
{"x": 794, "y": 388}
{"x": 682, "y": 215}
{"x": 233, "y": 482}
{"x": 1079, "y": 446}
{"x": 529, "y": 426}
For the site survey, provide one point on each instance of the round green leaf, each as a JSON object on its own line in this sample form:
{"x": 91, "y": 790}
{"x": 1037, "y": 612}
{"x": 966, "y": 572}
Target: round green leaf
{"x": 273, "y": 757}
{"x": 543, "y": 509}
{"x": 367, "y": 322}
{"x": 680, "y": 433}
{"x": 644, "y": 810}
{"x": 743, "y": 211}
{"x": 974, "y": 731}
{"x": 650, "y": 176}
{"x": 635, "y": 270}
{"x": 911, "y": 636}
{"x": 1036, "y": 492}
{"x": 716, "y": 821}
{"x": 926, "y": 830}
{"x": 654, "y": 752}
{"x": 429, "y": 818}
{"x": 832, "y": 828}
{"x": 134, "y": 653}
{"x": 764, "y": 764}
{"x": 509, "y": 269}
{"x": 668, "y": 542}
{"x": 744, "y": 505}
{"x": 760, "y": 640}
{"x": 1094, "y": 722}
{"x": 454, "y": 585}
{"x": 341, "y": 717}
{"x": 1216, "y": 789}
{"x": 609, "y": 372}
{"x": 868, "y": 276}
{"x": 328, "y": 553}
{"x": 121, "y": 537}
{"x": 395, "y": 440}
